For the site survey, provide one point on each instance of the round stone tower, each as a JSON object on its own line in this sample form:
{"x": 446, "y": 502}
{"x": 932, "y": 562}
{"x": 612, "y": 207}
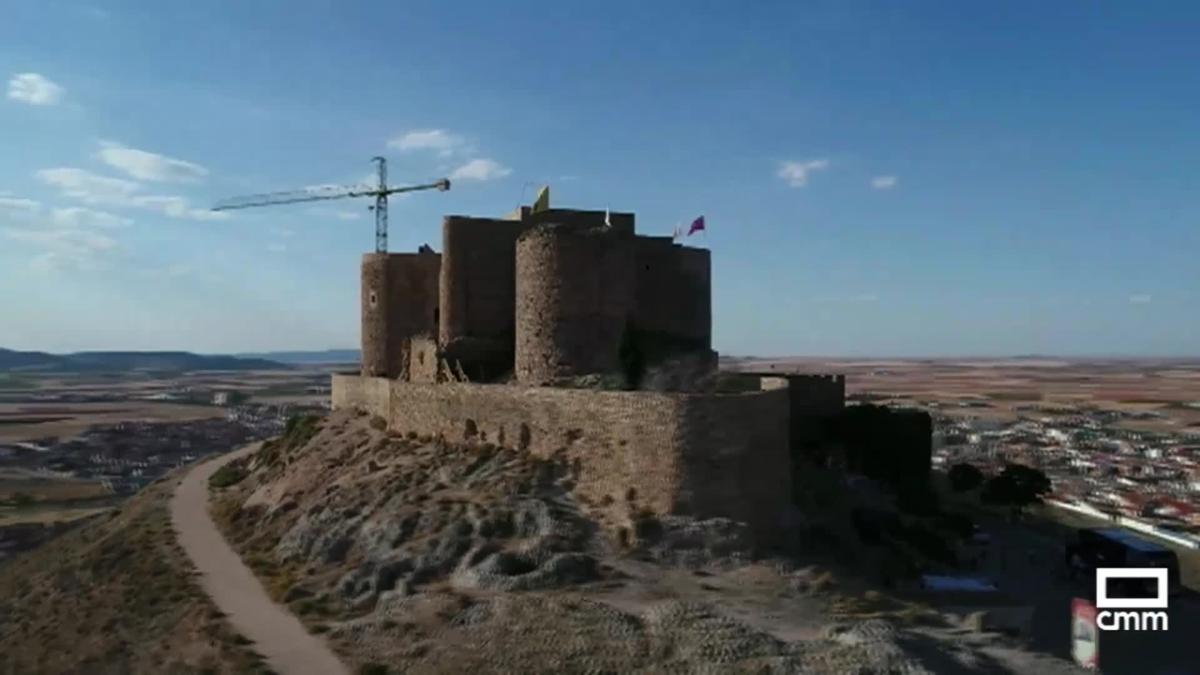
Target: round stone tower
{"x": 379, "y": 357}
{"x": 574, "y": 294}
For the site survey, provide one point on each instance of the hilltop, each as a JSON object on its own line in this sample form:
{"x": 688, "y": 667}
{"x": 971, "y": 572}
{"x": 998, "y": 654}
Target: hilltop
{"x": 415, "y": 555}
{"x": 126, "y": 361}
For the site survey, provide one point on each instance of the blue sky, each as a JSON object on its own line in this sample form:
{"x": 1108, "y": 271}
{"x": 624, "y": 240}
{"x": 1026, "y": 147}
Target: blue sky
{"x": 924, "y": 178}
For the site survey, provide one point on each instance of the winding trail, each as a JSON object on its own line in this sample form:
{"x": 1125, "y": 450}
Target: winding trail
{"x": 278, "y": 635}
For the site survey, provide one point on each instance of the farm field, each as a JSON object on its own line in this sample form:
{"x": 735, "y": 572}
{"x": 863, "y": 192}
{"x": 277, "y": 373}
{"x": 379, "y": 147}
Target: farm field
{"x": 994, "y": 388}
{"x": 26, "y": 421}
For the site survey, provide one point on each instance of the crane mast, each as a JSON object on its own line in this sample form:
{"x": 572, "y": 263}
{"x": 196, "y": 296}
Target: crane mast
{"x": 379, "y": 191}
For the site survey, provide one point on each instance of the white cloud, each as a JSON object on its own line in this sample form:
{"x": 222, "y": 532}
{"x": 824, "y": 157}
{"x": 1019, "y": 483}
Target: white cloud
{"x": 34, "y": 89}
{"x": 63, "y": 248}
{"x": 17, "y": 204}
{"x": 884, "y": 182}
{"x": 94, "y": 189}
{"x": 177, "y": 207}
{"x": 88, "y": 187}
{"x": 480, "y": 169}
{"x": 150, "y": 166}
{"x": 283, "y": 231}
{"x": 796, "y": 173}
{"x": 79, "y": 216}
{"x": 1140, "y": 299}
{"x": 866, "y": 297}
{"x": 178, "y": 270}
{"x": 347, "y": 215}
{"x": 438, "y": 140}
{"x": 276, "y": 247}
{"x": 172, "y": 271}
{"x": 87, "y": 239}
{"x": 63, "y": 238}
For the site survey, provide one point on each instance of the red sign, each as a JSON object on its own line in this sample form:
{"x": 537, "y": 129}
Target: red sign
{"x": 1085, "y": 637}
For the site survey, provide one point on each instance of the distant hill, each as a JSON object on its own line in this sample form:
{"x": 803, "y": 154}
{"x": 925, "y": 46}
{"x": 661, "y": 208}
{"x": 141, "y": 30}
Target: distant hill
{"x": 124, "y": 361}
{"x": 323, "y": 356}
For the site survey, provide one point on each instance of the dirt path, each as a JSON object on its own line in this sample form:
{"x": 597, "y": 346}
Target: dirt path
{"x": 277, "y": 634}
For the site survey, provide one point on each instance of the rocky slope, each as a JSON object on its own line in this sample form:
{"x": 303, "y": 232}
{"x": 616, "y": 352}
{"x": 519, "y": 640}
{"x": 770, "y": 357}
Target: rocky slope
{"x": 417, "y": 556}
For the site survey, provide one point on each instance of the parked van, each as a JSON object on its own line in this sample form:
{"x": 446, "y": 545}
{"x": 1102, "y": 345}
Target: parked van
{"x": 1117, "y": 547}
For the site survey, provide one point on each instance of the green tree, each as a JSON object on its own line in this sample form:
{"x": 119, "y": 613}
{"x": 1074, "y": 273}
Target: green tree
{"x": 964, "y": 477}
{"x": 1017, "y": 485}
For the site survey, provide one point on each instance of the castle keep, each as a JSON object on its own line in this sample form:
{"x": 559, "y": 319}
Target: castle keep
{"x": 539, "y": 295}
{"x": 515, "y": 332}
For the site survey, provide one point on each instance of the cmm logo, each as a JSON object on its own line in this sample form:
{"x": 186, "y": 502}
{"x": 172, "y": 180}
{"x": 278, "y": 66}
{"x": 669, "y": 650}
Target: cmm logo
{"x": 1127, "y": 618}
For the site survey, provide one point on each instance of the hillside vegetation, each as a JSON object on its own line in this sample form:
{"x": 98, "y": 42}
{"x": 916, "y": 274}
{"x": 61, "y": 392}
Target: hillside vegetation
{"x": 114, "y": 595}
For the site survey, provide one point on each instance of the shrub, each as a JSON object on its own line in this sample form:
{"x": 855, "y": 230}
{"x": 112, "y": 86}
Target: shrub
{"x": 300, "y": 429}
{"x": 1017, "y": 485}
{"x": 917, "y": 498}
{"x": 21, "y": 499}
{"x": 964, "y": 477}
{"x": 230, "y": 474}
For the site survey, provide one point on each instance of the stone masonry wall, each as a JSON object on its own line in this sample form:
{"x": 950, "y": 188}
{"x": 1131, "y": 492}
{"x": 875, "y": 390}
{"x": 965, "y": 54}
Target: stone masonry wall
{"x": 423, "y": 359}
{"x": 621, "y": 223}
{"x": 735, "y": 456}
{"x": 575, "y": 294}
{"x": 814, "y": 400}
{"x": 399, "y": 301}
{"x": 377, "y": 358}
{"x": 478, "y": 278}
{"x": 674, "y": 292}
{"x": 693, "y": 454}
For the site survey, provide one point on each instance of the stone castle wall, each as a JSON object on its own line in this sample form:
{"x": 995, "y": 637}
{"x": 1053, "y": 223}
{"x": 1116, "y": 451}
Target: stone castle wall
{"x": 575, "y": 294}
{"x": 694, "y": 454}
{"x": 478, "y": 278}
{"x": 813, "y": 401}
{"x": 674, "y": 293}
{"x": 399, "y": 302}
{"x": 379, "y": 355}
{"x": 621, "y": 223}
{"x": 478, "y": 299}
{"x": 423, "y": 360}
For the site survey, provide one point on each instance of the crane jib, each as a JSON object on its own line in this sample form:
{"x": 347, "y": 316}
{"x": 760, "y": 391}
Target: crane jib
{"x": 379, "y": 192}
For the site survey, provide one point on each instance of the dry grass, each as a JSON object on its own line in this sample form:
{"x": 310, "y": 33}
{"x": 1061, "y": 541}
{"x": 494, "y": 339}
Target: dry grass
{"x": 46, "y": 516}
{"x": 873, "y": 604}
{"x": 1124, "y": 384}
{"x": 114, "y": 596}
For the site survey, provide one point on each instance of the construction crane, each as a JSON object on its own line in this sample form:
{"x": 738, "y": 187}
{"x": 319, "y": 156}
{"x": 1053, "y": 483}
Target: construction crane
{"x": 379, "y": 191}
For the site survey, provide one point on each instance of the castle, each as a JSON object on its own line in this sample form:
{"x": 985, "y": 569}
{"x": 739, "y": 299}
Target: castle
{"x": 484, "y": 343}
{"x": 540, "y": 295}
